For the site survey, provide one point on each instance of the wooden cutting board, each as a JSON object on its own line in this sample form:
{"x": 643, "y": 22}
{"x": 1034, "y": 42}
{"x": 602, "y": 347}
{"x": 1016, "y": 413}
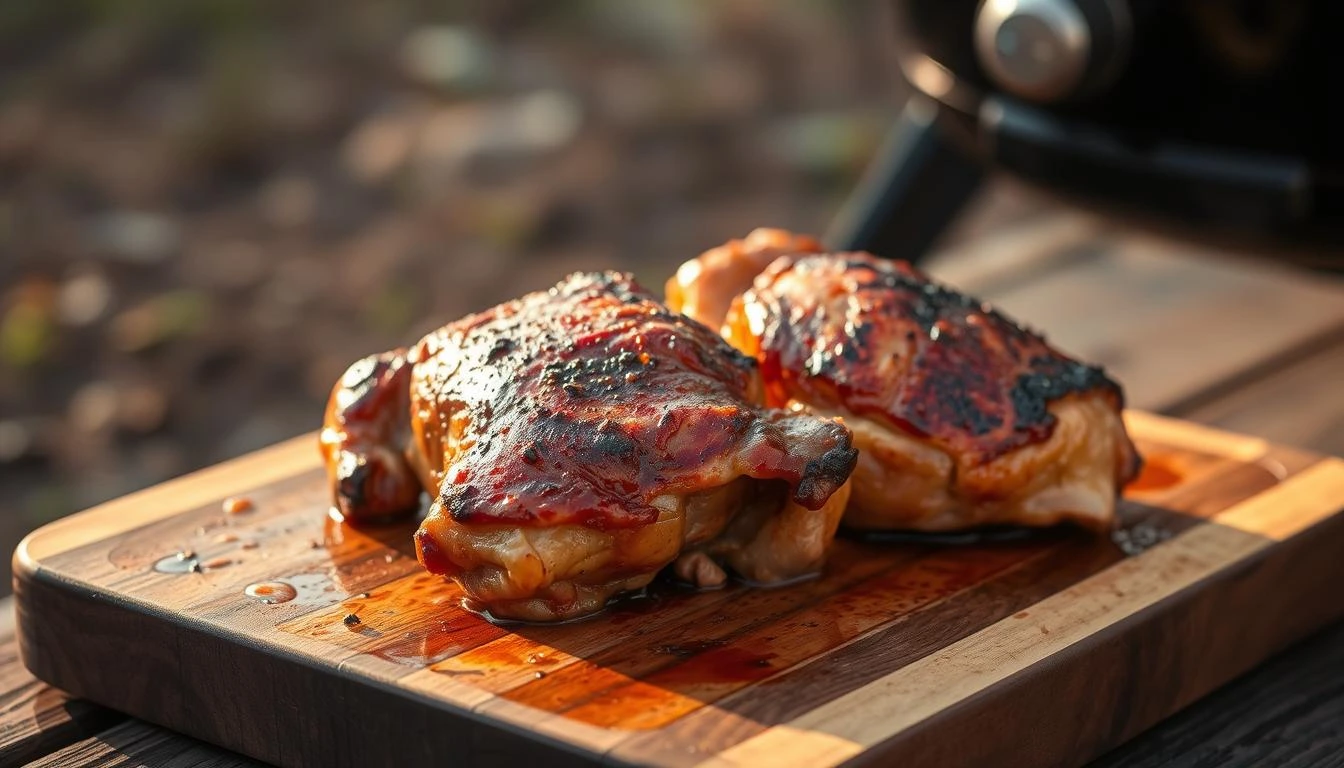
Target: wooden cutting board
{"x": 1037, "y": 650}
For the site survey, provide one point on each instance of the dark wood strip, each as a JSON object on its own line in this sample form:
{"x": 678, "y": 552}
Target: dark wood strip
{"x": 139, "y": 744}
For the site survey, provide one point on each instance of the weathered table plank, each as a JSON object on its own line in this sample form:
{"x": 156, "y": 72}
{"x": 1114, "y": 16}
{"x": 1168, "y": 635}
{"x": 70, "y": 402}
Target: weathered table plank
{"x": 1288, "y": 711}
{"x": 134, "y": 743}
{"x": 36, "y": 719}
{"x": 1171, "y": 323}
{"x": 1301, "y": 403}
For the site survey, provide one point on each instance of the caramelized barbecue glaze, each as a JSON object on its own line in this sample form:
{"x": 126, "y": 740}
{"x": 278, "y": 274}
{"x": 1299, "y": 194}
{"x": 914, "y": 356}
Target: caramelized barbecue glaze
{"x": 962, "y": 417}
{"x": 578, "y": 440}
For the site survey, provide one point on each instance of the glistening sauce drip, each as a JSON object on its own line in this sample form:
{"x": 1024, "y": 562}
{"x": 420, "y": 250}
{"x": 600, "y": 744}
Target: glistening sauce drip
{"x": 423, "y": 646}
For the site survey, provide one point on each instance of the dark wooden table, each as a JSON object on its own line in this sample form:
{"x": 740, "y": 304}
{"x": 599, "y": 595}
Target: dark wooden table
{"x": 1201, "y": 335}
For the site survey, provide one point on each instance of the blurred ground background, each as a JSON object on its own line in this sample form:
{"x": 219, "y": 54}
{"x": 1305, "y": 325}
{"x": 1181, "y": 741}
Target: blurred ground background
{"x": 209, "y": 208}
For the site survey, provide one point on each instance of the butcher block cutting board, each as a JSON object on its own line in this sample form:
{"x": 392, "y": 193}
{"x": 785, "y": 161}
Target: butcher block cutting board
{"x": 280, "y": 633}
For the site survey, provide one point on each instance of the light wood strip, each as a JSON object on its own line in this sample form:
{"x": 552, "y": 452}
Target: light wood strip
{"x": 590, "y": 737}
{"x": 1297, "y": 504}
{"x": 832, "y": 733}
{"x": 234, "y": 477}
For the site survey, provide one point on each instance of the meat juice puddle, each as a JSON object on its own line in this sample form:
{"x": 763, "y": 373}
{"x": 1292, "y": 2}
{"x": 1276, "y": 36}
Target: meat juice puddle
{"x": 988, "y": 535}
{"x": 655, "y": 596}
{"x": 477, "y": 609}
{"x": 1157, "y": 474}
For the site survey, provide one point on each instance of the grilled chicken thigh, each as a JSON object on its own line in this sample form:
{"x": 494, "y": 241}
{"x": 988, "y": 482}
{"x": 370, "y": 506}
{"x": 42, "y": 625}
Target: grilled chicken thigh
{"x": 578, "y": 441}
{"x": 963, "y": 418}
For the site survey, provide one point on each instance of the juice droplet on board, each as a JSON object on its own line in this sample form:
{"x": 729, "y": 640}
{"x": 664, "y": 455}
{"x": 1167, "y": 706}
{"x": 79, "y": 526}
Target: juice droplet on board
{"x": 237, "y": 505}
{"x": 271, "y": 592}
{"x": 185, "y": 561}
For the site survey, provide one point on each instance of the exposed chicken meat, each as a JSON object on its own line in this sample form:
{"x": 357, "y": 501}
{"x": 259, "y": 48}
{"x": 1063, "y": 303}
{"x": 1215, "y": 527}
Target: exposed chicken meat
{"x": 962, "y": 417}
{"x": 579, "y": 440}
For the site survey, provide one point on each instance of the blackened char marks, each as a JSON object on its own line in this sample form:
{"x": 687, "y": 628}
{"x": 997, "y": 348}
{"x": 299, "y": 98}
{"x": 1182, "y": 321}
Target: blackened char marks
{"x": 816, "y": 456}
{"x": 1050, "y": 379}
{"x": 501, "y": 347}
{"x": 955, "y": 393}
{"x": 823, "y": 476}
{"x": 458, "y": 498}
{"x": 616, "y": 284}
{"x": 855, "y": 346}
{"x": 925, "y": 301}
{"x": 879, "y": 339}
{"x": 589, "y": 401}
{"x": 597, "y": 376}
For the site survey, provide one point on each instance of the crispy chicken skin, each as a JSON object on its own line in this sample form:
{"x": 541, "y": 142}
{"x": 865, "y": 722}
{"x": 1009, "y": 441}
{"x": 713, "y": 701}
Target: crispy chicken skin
{"x": 962, "y": 417}
{"x": 704, "y": 287}
{"x": 579, "y": 440}
{"x": 365, "y": 439}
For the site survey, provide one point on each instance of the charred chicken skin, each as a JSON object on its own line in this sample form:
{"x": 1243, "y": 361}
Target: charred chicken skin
{"x": 962, "y": 417}
{"x": 579, "y": 440}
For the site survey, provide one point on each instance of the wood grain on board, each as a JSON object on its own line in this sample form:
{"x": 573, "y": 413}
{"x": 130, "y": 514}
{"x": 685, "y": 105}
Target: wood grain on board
{"x": 873, "y": 659}
{"x": 1266, "y": 364}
